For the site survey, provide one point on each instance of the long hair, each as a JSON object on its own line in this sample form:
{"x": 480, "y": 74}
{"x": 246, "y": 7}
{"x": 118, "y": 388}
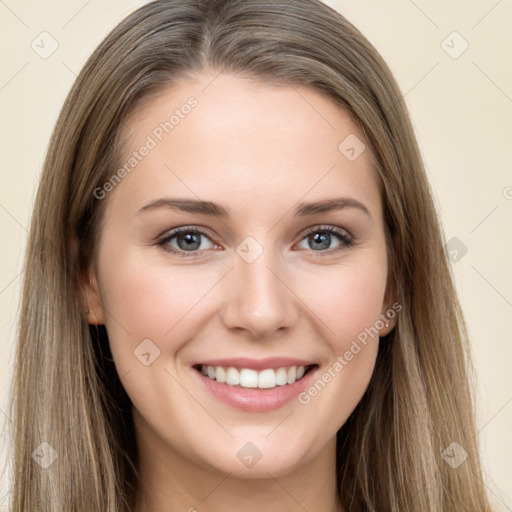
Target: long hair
{"x": 68, "y": 405}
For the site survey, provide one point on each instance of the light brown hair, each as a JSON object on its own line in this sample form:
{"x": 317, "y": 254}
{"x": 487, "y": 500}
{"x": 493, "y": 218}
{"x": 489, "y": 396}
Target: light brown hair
{"x": 66, "y": 391}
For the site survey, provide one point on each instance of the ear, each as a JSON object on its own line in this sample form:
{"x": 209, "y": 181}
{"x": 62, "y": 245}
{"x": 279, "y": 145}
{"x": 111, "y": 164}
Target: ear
{"x": 390, "y": 308}
{"x": 390, "y": 305}
{"x": 92, "y": 298}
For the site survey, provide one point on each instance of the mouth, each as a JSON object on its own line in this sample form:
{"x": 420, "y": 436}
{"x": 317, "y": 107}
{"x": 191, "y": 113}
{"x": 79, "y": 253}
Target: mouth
{"x": 252, "y": 385}
{"x": 266, "y": 378}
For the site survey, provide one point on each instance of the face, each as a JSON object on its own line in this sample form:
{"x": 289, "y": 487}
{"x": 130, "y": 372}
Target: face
{"x": 283, "y": 300}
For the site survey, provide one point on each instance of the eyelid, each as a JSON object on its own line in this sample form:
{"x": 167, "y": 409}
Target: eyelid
{"x": 329, "y": 228}
{"x": 347, "y": 240}
{"x": 171, "y": 233}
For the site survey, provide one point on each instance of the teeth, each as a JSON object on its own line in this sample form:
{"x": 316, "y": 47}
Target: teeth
{"x": 281, "y": 377}
{"x": 267, "y": 379}
{"x": 232, "y": 376}
{"x": 248, "y": 378}
{"x": 291, "y": 374}
{"x": 220, "y": 374}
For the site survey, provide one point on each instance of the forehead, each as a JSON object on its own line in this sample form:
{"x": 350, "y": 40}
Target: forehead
{"x": 228, "y": 139}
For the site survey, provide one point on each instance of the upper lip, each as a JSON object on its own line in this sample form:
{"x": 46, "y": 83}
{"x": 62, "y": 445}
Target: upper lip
{"x": 256, "y": 364}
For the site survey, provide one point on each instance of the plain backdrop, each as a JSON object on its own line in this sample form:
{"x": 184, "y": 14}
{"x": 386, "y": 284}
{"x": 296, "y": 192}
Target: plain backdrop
{"x": 453, "y": 63}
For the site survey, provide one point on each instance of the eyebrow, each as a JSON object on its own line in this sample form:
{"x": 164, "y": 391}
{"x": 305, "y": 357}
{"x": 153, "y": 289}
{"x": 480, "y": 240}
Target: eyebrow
{"x": 217, "y": 210}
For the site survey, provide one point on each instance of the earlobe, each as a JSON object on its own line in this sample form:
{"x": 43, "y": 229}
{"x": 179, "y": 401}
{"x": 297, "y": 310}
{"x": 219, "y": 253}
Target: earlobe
{"x": 387, "y": 319}
{"x": 92, "y": 298}
{"x": 391, "y": 307}
{"x": 388, "y": 322}
{"x": 92, "y": 319}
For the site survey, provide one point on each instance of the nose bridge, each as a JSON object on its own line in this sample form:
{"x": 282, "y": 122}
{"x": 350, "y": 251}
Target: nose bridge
{"x": 260, "y": 301}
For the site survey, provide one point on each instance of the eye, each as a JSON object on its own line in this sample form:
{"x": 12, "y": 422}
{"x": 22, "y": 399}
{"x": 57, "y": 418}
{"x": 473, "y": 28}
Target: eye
{"x": 181, "y": 241}
{"x": 320, "y": 237}
{"x": 184, "y": 240}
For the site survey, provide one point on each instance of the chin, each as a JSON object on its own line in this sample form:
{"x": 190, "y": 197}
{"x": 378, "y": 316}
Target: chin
{"x": 258, "y": 458}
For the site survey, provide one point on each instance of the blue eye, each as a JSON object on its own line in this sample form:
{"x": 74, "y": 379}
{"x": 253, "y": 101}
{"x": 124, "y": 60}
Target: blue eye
{"x": 185, "y": 240}
{"x": 321, "y": 237}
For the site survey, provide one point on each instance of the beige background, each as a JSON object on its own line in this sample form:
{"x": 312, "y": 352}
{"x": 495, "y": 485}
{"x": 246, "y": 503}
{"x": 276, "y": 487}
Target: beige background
{"x": 462, "y": 112}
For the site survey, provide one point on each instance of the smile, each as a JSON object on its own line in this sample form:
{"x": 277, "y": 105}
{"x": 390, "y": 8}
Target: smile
{"x": 255, "y": 385}
{"x": 266, "y": 378}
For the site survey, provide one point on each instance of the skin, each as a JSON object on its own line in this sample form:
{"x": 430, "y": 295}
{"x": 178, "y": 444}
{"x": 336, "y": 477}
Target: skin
{"x": 258, "y": 150}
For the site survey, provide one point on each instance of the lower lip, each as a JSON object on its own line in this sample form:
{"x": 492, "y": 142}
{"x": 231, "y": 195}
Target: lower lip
{"x": 256, "y": 399}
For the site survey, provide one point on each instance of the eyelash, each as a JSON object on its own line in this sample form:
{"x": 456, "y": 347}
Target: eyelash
{"x": 347, "y": 241}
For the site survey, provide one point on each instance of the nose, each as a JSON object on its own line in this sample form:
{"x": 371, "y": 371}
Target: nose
{"x": 259, "y": 300}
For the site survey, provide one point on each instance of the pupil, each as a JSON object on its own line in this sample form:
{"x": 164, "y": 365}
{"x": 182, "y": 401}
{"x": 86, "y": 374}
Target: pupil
{"x": 190, "y": 240}
{"x": 317, "y": 239}
{"x": 321, "y": 239}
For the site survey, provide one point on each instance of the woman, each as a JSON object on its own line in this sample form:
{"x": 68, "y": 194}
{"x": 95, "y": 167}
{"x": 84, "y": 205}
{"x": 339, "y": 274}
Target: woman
{"x": 258, "y": 370}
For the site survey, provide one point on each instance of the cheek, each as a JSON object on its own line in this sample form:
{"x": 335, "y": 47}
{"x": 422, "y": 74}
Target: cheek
{"x": 156, "y": 303}
{"x": 146, "y": 298}
{"x": 348, "y": 302}
{"x": 347, "y": 299}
